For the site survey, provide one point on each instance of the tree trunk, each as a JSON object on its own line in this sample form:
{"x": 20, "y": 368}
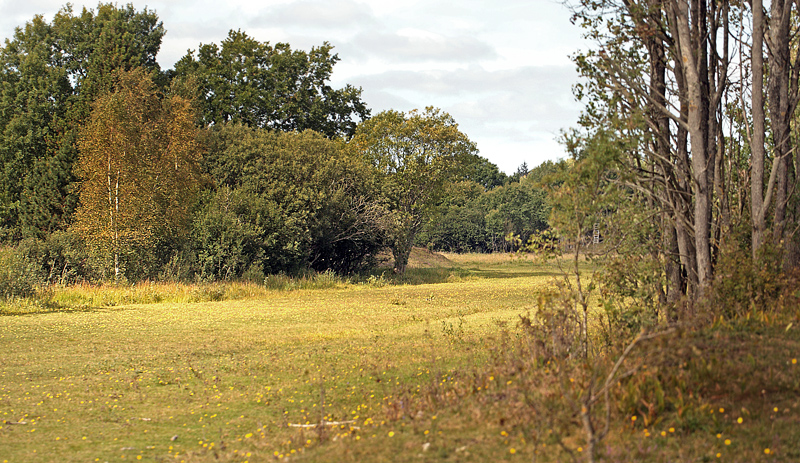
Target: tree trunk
{"x": 780, "y": 111}
{"x": 757, "y": 203}
{"x": 691, "y": 52}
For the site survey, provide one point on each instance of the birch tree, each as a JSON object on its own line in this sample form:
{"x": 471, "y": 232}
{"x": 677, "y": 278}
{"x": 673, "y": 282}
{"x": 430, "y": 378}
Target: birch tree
{"x": 138, "y": 167}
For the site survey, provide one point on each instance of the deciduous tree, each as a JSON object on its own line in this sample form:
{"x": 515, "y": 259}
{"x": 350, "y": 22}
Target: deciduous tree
{"x": 416, "y": 154}
{"x": 49, "y": 75}
{"x": 264, "y": 86}
{"x": 139, "y": 168}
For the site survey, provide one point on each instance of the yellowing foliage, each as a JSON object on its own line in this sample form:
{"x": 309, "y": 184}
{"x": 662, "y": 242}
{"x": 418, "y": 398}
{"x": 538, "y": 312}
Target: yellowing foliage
{"x": 138, "y": 164}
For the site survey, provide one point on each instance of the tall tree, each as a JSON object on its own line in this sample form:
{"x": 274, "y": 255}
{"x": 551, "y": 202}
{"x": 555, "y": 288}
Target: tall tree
{"x": 49, "y": 75}
{"x": 658, "y": 80}
{"x": 416, "y": 154}
{"x": 783, "y": 83}
{"x": 264, "y": 86}
{"x": 139, "y": 167}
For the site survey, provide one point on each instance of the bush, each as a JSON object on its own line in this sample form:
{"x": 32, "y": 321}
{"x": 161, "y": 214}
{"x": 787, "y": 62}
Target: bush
{"x": 19, "y": 275}
{"x": 61, "y": 258}
{"x": 742, "y": 288}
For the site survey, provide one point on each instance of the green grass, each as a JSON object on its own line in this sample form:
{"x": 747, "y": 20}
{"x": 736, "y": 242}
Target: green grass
{"x": 112, "y": 381}
{"x": 430, "y": 371}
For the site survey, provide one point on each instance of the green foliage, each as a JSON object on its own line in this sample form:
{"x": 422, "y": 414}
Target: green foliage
{"x": 49, "y": 75}
{"x": 474, "y": 219}
{"x": 486, "y": 174}
{"x": 520, "y": 209}
{"x": 48, "y": 197}
{"x": 416, "y": 156}
{"x": 246, "y": 81}
{"x": 61, "y": 258}
{"x": 19, "y": 276}
{"x": 229, "y": 232}
{"x": 285, "y": 202}
{"x": 459, "y": 229}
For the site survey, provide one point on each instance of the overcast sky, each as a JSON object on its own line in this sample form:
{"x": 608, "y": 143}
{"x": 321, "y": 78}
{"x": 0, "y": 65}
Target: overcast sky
{"x": 501, "y": 69}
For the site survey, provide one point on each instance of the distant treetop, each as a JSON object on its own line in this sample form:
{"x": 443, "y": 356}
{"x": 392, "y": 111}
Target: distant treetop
{"x": 254, "y": 83}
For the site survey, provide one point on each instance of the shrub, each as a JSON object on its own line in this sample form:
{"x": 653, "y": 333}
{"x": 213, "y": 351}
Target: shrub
{"x": 19, "y": 275}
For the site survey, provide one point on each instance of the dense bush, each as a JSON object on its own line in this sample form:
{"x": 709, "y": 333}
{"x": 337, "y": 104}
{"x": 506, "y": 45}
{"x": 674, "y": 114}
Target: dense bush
{"x": 60, "y": 258}
{"x": 19, "y": 275}
{"x": 284, "y": 202}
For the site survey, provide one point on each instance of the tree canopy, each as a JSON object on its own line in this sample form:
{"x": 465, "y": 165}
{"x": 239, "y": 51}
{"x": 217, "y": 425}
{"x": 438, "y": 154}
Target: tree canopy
{"x": 686, "y": 133}
{"x": 49, "y": 75}
{"x": 139, "y": 168}
{"x": 257, "y": 84}
{"x": 241, "y": 161}
{"x": 416, "y": 155}
{"x": 284, "y": 202}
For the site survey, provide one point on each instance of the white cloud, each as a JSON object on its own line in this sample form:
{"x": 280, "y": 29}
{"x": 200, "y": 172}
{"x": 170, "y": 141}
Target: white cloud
{"x": 316, "y": 14}
{"x": 411, "y": 46}
{"x": 501, "y": 69}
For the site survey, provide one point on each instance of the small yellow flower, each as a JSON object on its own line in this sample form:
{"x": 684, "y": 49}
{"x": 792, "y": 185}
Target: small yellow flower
{"x": 727, "y": 442}
{"x": 739, "y": 420}
{"x": 722, "y": 410}
{"x": 671, "y": 429}
{"x": 512, "y": 450}
{"x": 794, "y": 361}
{"x": 719, "y": 455}
{"x": 663, "y": 433}
{"x": 633, "y": 418}
{"x": 248, "y": 435}
{"x": 391, "y": 433}
{"x": 775, "y": 409}
{"x": 580, "y": 449}
{"x": 766, "y": 451}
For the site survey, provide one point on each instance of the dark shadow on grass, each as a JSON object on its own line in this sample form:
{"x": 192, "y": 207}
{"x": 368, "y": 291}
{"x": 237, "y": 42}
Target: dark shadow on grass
{"x": 436, "y": 275}
{"x": 499, "y": 274}
{"x": 50, "y": 308}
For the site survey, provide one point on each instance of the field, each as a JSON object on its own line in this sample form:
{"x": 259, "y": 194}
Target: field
{"x": 189, "y": 381}
{"x": 393, "y": 372}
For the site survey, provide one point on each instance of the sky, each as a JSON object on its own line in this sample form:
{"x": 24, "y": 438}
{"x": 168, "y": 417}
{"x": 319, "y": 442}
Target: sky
{"x": 502, "y": 71}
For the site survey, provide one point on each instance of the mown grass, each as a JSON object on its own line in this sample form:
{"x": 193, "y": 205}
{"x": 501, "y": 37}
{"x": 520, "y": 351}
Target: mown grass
{"x": 412, "y": 372}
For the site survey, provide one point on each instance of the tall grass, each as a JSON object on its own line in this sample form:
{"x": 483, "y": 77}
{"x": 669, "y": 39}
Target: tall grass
{"x": 424, "y": 268}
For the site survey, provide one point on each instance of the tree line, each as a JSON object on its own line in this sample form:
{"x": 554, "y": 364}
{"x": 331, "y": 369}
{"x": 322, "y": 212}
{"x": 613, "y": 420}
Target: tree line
{"x": 240, "y": 162}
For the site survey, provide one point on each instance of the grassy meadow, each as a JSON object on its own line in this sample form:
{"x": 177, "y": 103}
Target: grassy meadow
{"x": 191, "y": 381}
{"x": 396, "y": 371}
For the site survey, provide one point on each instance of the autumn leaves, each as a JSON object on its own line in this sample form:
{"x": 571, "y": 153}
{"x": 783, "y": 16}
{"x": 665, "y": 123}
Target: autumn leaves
{"x": 139, "y": 166}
